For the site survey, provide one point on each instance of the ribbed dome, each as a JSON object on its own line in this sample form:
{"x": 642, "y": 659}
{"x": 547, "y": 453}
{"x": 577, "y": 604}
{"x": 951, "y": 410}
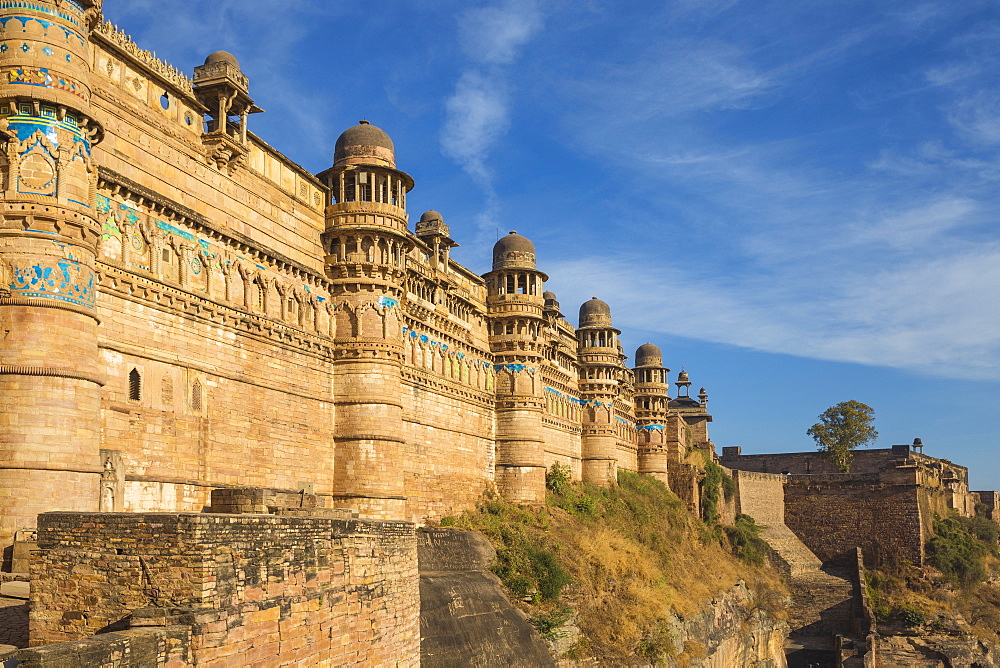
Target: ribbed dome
{"x": 513, "y": 252}
{"x": 364, "y": 144}
{"x": 430, "y": 216}
{"x": 648, "y": 355}
{"x": 222, "y": 57}
{"x": 595, "y": 313}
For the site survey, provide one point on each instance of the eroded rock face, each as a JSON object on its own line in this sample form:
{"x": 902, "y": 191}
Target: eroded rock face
{"x": 963, "y": 651}
{"x": 465, "y": 618}
{"x": 732, "y": 631}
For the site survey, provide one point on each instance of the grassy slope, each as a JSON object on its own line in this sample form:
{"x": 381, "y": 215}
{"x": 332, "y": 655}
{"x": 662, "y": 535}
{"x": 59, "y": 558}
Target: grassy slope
{"x": 619, "y": 559}
{"x": 961, "y": 579}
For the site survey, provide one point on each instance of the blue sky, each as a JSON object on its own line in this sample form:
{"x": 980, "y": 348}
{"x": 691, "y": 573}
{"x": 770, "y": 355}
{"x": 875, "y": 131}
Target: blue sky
{"x": 797, "y": 201}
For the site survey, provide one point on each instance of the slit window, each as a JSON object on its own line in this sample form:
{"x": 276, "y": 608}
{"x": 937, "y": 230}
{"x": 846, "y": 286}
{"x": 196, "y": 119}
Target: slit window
{"x": 196, "y": 392}
{"x": 134, "y": 385}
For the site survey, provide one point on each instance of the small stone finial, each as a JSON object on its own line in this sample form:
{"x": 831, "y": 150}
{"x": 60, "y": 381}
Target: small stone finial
{"x": 363, "y": 122}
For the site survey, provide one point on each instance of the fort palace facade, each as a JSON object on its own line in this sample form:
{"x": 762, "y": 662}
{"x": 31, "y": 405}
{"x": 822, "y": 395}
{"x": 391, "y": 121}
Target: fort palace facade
{"x": 183, "y": 308}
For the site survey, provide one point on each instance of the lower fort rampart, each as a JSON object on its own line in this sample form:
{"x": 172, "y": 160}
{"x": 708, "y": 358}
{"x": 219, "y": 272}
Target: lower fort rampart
{"x": 223, "y": 589}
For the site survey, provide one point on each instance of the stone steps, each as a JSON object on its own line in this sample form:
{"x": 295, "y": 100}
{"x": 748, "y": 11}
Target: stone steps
{"x": 821, "y": 605}
{"x": 792, "y": 556}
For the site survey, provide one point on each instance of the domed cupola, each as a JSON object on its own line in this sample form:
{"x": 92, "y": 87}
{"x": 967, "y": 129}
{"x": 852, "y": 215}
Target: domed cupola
{"x": 364, "y": 182}
{"x": 431, "y": 223}
{"x": 651, "y": 385}
{"x": 224, "y": 89}
{"x": 595, "y": 313}
{"x": 364, "y": 144}
{"x": 513, "y": 252}
{"x": 648, "y": 355}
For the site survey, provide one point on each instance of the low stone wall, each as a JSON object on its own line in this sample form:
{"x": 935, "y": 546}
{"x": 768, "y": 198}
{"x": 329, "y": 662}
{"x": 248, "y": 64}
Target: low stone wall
{"x": 256, "y": 590}
{"x": 169, "y": 647}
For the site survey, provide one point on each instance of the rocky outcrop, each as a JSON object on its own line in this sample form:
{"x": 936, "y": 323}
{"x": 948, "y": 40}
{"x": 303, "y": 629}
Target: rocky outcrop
{"x": 734, "y": 629}
{"x": 465, "y": 618}
{"x": 934, "y": 651}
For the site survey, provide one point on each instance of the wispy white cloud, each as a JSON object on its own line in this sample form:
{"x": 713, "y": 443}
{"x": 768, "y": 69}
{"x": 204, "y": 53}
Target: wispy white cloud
{"x": 977, "y": 117}
{"x": 495, "y": 34}
{"x": 875, "y": 253}
{"x": 476, "y": 118}
{"x": 477, "y": 113}
{"x": 921, "y": 316}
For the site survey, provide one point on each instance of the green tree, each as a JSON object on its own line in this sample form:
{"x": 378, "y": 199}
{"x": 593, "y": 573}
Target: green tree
{"x": 842, "y": 429}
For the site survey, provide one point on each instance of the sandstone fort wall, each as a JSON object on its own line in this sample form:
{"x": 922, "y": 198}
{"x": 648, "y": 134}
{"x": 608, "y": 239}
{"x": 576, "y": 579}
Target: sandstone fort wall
{"x": 261, "y": 590}
{"x": 834, "y": 514}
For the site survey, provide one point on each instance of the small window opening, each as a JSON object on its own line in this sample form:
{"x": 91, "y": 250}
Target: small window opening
{"x": 134, "y": 385}
{"x": 165, "y": 100}
{"x": 166, "y": 255}
{"x": 196, "y": 396}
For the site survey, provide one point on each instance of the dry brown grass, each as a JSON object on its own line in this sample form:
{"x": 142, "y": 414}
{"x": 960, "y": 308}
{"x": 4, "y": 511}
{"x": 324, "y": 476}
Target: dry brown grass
{"x": 635, "y": 556}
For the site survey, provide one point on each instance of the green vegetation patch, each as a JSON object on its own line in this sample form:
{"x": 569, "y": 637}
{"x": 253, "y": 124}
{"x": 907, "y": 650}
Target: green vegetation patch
{"x": 618, "y": 560}
{"x": 960, "y": 546}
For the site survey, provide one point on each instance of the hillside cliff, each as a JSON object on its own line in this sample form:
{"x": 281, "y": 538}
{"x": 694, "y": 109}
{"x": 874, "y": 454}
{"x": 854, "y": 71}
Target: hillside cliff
{"x": 626, "y": 576}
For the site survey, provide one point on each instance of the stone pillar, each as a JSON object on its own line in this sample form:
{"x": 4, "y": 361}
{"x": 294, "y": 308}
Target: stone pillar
{"x": 368, "y": 411}
{"x": 520, "y": 472}
{"x": 366, "y": 242}
{"x": 515, "y": 307}
{"x": 599, "y": 443}
{"x": 600, "y": 369}
{"x": 653, "y": 453}
{"x": 651, "y": 410}
{"x": 50, "y": 380}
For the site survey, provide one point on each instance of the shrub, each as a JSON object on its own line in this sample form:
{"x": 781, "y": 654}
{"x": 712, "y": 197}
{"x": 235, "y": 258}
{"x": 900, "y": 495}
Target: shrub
{"x": 910, "y": 617}
{"x": 656, "y": 644}
{"x": 716, "y": 478}
{"x": 558, "y": 478}
{"x": 551, "y": 576}
{"x": 745, "y": 541}
{"x": 959, "y": 546}
{"x": 548, "y": 624}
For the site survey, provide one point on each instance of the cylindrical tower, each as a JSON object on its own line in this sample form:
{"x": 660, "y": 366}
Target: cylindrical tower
{"x": 515, "y": 306}
{"x": 366, "y": 242}
{"x": 50, "y": 380}
{"x": 600, "y": 364}
{"x": 652, "y": 394}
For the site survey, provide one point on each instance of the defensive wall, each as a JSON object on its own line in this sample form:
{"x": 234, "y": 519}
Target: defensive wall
{"x": 187, "y": 309}
{"x": 223, "y": 590}
{"x": 885, "y": 505}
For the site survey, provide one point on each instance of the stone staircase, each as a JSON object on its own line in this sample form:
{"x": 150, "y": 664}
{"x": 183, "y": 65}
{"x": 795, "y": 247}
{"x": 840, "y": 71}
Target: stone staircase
{"x": 791, "y": 556}
{"x": 821, "y": 610}
{"x": 821, "y": 603}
